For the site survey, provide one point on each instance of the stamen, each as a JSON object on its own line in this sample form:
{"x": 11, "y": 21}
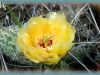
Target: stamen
{"x": 45, "y": 41}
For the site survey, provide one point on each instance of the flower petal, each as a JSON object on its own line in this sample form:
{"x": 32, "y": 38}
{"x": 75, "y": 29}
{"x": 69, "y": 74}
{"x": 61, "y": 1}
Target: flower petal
{"x": 44, "y": 56}
{"x": 54, "y": 16}
{"x": 62, "y": 48}
{"x": 40, "y": 55}
{"x": 51, "y": 58}
{"x": 62, "y": 30}
{"x": 39, "y": 26}
{"x": 28, "y": 55}
{"x": 66, "y": 33}
{"x": 33, "y": 53}
{"x": 24, "y": 38}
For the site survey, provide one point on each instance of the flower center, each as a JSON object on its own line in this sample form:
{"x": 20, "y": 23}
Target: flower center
{"x": 45, "y": 41}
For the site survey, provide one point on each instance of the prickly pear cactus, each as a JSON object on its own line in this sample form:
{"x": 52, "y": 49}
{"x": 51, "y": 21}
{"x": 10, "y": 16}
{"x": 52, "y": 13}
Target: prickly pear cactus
{"x": 8, "y": 45}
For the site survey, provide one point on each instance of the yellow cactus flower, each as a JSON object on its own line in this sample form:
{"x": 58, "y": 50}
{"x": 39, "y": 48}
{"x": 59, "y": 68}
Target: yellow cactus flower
{"x": 46, "y": 40}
